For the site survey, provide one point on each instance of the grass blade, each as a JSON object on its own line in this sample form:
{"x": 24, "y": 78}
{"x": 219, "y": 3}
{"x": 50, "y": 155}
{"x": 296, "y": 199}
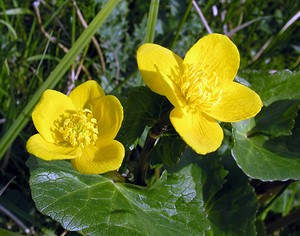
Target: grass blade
{"x": 152, "y": 18}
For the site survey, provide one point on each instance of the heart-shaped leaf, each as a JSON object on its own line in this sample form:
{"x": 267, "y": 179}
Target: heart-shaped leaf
{"x": 263, "y": 158}
{"x": 98, "y": 206}
{"x": 188, "y": 200}
{"x": 265, "y": 147}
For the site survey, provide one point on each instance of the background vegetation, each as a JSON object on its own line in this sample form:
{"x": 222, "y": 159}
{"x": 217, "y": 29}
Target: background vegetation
{"x": 35, "y": 35}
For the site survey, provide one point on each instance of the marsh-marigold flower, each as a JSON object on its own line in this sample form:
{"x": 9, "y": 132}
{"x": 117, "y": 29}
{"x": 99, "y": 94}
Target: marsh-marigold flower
{"x": 200, "y": 87}
{"x": 80, "y": 127}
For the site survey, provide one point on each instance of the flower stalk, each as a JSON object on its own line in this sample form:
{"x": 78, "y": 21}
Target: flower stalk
{"x": 152, "y": 137}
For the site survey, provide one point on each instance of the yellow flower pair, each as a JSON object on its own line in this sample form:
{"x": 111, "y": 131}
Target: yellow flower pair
{"x": 83, "y": 125}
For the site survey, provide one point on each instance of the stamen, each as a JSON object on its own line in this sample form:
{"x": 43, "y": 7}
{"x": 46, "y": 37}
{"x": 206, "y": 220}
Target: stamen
{"x": 79, "y": 128}
{"x": 199, "y": 89}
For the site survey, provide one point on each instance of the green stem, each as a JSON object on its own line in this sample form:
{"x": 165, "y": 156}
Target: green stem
{"x": 55, "y": 76}
{"x": 144, "y": 158}
{"x": 151, "y": 23}
{"x": 153, "y": 135}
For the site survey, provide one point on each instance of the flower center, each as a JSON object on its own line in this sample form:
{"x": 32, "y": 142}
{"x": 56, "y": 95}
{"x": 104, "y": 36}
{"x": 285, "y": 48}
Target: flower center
{"x": 79, "y": 128}
{"x": 199, "y": 89}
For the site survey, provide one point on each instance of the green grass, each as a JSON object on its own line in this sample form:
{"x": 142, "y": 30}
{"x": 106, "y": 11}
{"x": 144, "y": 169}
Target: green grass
{"x": 264, "y": 31}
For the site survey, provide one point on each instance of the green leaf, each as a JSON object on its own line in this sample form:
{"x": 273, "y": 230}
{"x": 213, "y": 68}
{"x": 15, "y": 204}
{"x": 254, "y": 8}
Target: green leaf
{"x": 267, "y": 159}
{"x": 168, "y": 150}
{"x": 190, "y": 199}
{"x": 143, "y": 108}
{"x": 283, "y": 85}
{"x": 98, "y": 206}
{"x": 230, "y": 203}
{"x": 212, "y": 168}
{"x": 277, "y": 119}
{"x": 232, "y": 210}
{"x": 266, "y": 147}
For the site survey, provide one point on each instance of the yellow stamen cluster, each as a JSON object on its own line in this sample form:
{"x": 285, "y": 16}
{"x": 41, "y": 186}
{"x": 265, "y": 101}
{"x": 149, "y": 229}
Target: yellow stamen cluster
{"x": 80, "y": 128}
{"x": 200, "y": 90}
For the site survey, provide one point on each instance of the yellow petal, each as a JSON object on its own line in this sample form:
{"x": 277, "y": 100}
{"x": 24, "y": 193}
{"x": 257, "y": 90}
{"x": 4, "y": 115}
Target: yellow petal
{"x": 84, "y": 93}
{"x": 39, "y": 147}
{"x": 172, "y": 92}
{"x": 237, "y": 102}
{"x": 100, "y": 159}
{"x": 216, "y": 55}
{"x": 50, "y": 107}
{"x": 108, "y": 112}
{"x": 158, "y": 64}
{"x": 200, "y": 132}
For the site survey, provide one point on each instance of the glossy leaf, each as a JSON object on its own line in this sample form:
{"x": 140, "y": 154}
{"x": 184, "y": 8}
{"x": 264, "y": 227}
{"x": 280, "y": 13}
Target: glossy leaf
{"x": 168, "y": 150}
{"x": 98, "y": 206}
{"x": 190, "y": 199}
{"x": 277, "y": 119}
{"x": 265, "y": 147}
{"x": 143, "y": 108}
{"x": 233, "y": 209}
{"x": 228, "y": 198}
{"x": 263, "y": 158}
{"x": 212, "y": 170}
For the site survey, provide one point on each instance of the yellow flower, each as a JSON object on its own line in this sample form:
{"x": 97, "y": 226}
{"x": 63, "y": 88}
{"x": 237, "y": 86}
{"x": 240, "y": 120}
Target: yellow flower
{"x": 200, "y": 87}
{"x": 80, "y": 127}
